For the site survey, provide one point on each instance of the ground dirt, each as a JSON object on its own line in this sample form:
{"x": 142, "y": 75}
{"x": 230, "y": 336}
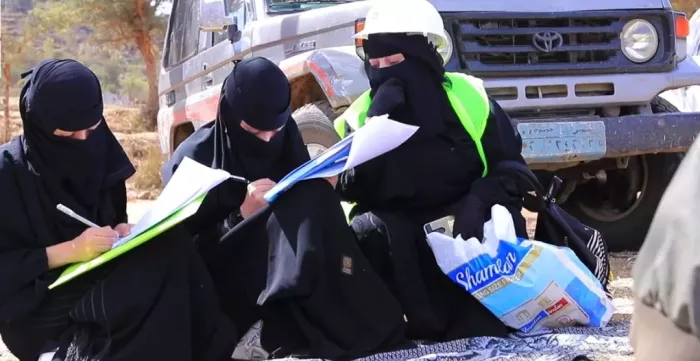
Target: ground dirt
{"x": 142, "y": 147}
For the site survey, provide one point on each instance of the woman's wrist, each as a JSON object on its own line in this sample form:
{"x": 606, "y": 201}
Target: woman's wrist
{"x": 243, "y": 212}
{"x": 60, "y": 254}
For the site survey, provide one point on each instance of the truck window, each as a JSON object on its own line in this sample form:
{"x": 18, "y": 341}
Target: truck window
{"x": 183, "y": 36}
{"x": 276, "y": 7}
{"x": 237, "y": 9}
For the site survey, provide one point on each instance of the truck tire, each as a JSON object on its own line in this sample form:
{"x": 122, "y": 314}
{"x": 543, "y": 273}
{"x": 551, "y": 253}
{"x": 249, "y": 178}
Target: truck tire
{"x": 315, "y": 122}
{"x": 623, "y": 207}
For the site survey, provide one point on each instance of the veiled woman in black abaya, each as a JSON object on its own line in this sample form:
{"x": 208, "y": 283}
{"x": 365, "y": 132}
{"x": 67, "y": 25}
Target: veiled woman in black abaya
{"x": 294, "y": 266}
{"x": 155, "y": 302}
{"x": 437, "y": 172}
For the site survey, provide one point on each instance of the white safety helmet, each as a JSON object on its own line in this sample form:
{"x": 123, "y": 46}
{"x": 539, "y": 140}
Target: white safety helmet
{"x": 412, "y": 17}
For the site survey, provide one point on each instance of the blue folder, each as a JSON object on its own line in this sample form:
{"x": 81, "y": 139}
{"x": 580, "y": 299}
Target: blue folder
{"x": 328, "y": 163}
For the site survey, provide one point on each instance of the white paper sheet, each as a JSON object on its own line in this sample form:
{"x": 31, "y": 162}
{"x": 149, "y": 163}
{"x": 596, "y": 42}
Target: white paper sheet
{"x": 190, "y": 181}
{"x": 378, "y": 136}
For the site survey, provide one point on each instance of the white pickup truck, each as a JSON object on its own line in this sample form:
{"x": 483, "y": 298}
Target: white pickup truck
{"x": 580, "y": 79}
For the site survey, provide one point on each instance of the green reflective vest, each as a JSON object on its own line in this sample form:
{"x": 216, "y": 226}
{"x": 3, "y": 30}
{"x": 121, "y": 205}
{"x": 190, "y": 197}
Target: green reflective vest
{"x": 467, "y": 96}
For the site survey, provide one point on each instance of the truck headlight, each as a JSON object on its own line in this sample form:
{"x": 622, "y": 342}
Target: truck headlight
{"x": 639, "y": 40}
{"x": 446, "y": 52}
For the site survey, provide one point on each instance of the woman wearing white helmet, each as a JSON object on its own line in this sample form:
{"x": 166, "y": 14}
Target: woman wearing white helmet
{"x": 441, "y": 170}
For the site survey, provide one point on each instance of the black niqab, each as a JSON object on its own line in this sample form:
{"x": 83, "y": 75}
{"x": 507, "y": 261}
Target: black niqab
{"x": 256, "y": 92}
{"x": 39, "y": 170}
{"x": 261, "y": 94}
{"x": 421, "y": 77}
{"x": 66, "y": 95}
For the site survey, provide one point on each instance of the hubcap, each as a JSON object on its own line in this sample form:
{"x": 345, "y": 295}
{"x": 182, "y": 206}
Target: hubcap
{"x": 315, "y": 149}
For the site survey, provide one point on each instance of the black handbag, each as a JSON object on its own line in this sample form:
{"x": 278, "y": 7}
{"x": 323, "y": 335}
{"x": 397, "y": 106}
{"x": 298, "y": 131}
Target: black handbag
{"x": 556, "y": 226}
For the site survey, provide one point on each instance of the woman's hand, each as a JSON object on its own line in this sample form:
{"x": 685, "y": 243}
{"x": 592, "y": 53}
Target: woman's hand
{"x": 470, "y": 219}
{"x": 332, "y": 180}
{"x": 93, "y": 242}
{"x": 388, "y": 97}
{"x": 88, "y": 245}
{"x": 254, "y": 199}
{"x": 124, "y": 229}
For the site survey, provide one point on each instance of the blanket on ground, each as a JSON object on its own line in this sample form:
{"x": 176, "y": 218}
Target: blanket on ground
{"x": 567, "y": 344}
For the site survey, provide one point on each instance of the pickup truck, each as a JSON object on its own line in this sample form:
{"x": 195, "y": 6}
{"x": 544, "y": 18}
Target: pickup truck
{"x": 581, "y": 81}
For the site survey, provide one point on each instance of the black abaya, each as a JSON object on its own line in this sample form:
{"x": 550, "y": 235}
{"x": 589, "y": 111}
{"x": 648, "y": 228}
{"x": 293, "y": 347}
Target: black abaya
{"x": 146, "y": 292}
{"x": 284, "y": 265}
{"x": 319, "y": 297}
{"x": 170, "y": 313}
{"x": 437, "y": 172}
{"x": 38, "y": 170}
{"x": 390, "y": 231}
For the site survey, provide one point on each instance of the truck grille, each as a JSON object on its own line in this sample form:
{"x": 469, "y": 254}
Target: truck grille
{"x": 537, "y": 43}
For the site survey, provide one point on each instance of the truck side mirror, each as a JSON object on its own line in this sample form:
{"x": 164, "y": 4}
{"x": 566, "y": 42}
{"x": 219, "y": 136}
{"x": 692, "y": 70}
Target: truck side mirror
{"x": 233, "y": 32}
{"x": 213, "y": 16}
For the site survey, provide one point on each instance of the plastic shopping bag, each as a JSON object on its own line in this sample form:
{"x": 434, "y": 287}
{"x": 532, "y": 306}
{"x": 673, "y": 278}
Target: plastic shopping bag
{"x": 527, "y": 284}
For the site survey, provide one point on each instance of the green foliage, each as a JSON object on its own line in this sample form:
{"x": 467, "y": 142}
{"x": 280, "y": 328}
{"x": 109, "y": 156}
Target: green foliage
{"x": 115, "y": 22}
{"x": 123, "y": 25}
{"x": 101, "y": 34}
{"x": 134, "y": 85}
{"x": 21, "y": 48}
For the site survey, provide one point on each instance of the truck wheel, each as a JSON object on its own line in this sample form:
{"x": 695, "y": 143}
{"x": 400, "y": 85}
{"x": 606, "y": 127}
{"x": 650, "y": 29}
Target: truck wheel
{"x": 623, "y": 205}
{"x": 315, "y": 122}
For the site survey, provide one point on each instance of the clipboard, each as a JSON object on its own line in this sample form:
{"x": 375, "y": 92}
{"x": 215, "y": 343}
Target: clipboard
{"x": 75, "y": 270}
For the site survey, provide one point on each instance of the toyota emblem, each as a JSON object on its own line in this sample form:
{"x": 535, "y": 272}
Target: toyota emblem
{"x": 546, "y": 41}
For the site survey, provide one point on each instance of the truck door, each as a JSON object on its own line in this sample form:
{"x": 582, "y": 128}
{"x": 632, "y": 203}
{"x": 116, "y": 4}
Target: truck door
{"x": 223, "y": 48}
{"x": 180, "y": 80}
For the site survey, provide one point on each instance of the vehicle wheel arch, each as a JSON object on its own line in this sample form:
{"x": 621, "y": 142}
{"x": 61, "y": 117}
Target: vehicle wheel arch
{"x": 644, "y": 179}
{"x": 179, "y": 133}
{"x": 306, "y": 90}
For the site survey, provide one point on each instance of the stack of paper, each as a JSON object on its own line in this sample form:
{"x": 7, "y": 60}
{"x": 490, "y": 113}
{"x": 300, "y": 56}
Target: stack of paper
{"x": 179, "y": 200}
{"x": 378, "y": 136}
{"x": 190, "y": 181}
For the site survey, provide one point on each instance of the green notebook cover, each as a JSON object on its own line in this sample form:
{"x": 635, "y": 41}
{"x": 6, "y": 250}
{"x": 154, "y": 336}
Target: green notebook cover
{"x": 78, "y": 269}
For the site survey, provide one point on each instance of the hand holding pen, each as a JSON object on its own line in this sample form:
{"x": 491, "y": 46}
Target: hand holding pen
{"x": 91, "y": 243}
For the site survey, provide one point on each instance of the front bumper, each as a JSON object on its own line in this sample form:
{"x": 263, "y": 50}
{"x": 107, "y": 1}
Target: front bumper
{"x": 627, "y": 89}
{"x": 593, "y": 138}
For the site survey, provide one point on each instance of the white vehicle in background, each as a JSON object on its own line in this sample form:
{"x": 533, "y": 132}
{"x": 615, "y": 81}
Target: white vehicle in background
{"x": 581, "y": 81}
{"x": 688, "y": 99}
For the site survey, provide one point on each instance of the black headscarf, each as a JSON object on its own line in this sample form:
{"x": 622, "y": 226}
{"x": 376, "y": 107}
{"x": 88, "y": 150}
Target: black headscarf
{"x": 66, "y": 95}
{"x": 411, "y": 91}
{"x": 256, "y": 92}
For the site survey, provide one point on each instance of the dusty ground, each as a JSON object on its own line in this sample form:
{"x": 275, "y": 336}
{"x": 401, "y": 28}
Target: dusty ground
{"x": 142, "y": 148}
